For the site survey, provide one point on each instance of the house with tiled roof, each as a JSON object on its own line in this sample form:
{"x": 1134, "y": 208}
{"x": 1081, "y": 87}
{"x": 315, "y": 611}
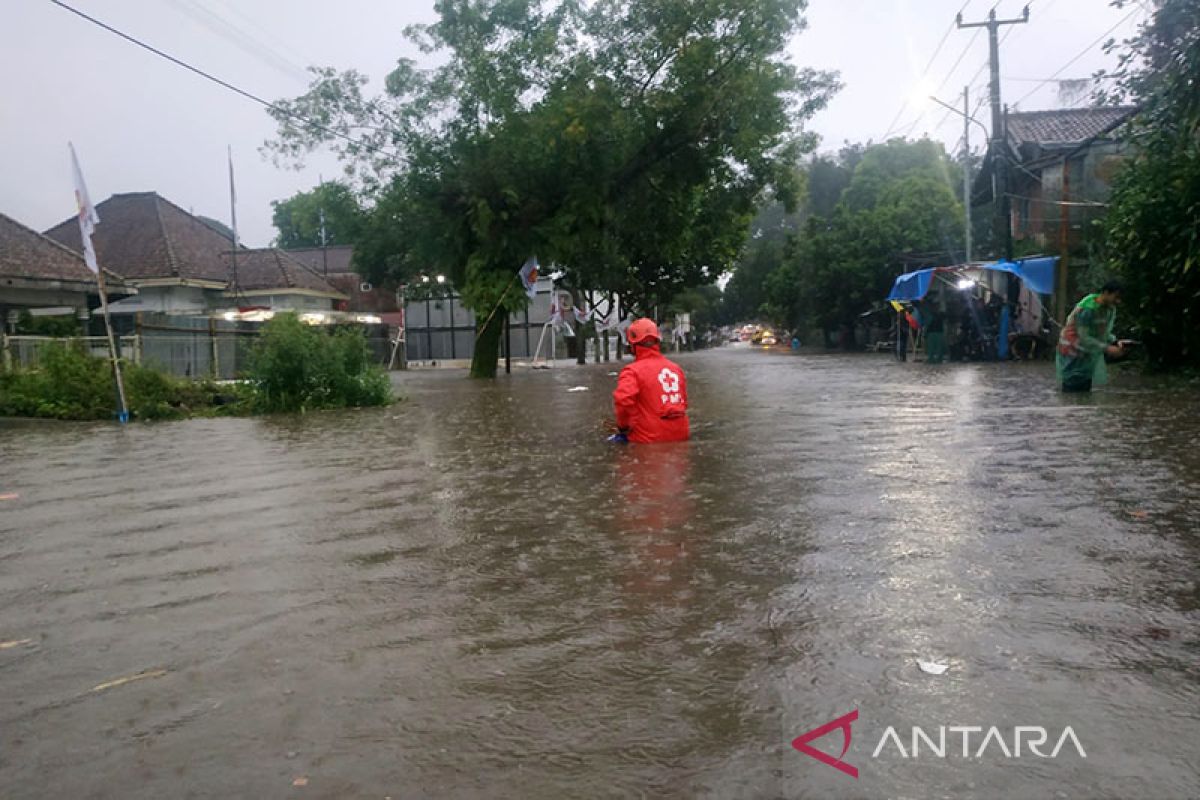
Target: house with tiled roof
{"x": 183, "y": 265}
{"x": 1059, "y": 159}
{"x": 272, "y": 278}
{"x": 40, "y": 275}
{"x": 335, "y": 264}
{"x": 1061, "y": 166}
{"x": 173, "y": 258}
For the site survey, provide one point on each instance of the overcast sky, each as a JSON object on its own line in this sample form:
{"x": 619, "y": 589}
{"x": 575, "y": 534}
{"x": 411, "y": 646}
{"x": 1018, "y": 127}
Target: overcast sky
{"x": 140, "y": 123}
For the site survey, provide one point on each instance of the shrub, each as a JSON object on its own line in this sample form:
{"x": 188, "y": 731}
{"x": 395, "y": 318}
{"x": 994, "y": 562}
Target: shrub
{"x": 68, "y": 383}
{"x": 296, "y": 367}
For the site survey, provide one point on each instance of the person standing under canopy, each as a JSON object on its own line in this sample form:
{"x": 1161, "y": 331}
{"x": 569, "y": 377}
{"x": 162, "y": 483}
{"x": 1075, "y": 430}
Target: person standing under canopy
{"x": 1087, "y": 337}
{"x": 651, "y": 394}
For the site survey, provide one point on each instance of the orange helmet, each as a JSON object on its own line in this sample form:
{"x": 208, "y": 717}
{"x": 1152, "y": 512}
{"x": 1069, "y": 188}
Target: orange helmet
{"x": 640, "y": 331}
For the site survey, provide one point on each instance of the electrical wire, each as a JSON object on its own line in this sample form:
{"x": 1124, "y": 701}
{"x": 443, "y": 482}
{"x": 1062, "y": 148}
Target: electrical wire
{"x": 936, "y": 52}
{"x": 1078, "y": 56}
{"x": 227, "y": 85}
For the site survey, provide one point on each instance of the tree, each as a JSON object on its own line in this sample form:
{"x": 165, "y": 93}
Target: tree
{"x": 299, "y": 218}
{"x": 628, "y": 140}
{"x": 898, "y": 202}
{"x": 1152, "y": 230}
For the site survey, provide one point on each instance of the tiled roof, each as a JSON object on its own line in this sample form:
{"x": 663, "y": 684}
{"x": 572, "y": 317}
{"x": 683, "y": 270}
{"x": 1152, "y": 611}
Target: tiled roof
{"x": 270, "y": 268}
{"x": 1069, "y": 126}
{"x": 142, "y": 236}
{"x": 337, "y": 258}
{"x": 27, "y": 254}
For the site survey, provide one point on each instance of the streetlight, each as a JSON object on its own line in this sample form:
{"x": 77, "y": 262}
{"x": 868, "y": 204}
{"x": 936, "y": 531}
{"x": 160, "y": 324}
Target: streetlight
{"x": 967, "y": 120}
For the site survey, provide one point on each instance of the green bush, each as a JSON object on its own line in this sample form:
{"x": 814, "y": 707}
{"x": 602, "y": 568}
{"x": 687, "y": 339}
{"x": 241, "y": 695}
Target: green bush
{"x": 293, "y": 367}
{"x": 296, "y": 367}
{"x": 68, "y": 383}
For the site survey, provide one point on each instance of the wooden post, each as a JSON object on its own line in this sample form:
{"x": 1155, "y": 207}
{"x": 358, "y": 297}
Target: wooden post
{"x": 6, "y": 345}
{"x": 507, "y": 344}
{"x": 1064, "y": 248}
{"x": 212, "y": 339}
{"x": 123, "y": 409}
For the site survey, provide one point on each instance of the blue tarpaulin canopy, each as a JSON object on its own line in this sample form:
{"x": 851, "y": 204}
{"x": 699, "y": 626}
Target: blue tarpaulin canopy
{"x": 1036, "y": 273}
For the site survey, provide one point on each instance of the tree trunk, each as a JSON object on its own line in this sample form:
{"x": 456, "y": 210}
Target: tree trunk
{"x": 581, "y": 338}
{"x": 487, "y": 349}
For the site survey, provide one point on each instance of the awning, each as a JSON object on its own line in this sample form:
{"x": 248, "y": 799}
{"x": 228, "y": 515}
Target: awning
{"x": 1036, "y": 273}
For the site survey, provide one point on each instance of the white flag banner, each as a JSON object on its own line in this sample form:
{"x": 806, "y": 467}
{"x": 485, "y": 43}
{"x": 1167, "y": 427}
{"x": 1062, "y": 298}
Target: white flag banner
{"x": 88, "y": 218}
{"x": 557, "y": 316}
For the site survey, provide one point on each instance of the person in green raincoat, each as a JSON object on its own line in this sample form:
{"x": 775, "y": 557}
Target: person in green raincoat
{"x": 1087, "y": 337}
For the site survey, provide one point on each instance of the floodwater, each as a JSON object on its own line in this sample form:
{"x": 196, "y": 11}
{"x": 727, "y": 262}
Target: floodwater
{"x": 471, "y": 595}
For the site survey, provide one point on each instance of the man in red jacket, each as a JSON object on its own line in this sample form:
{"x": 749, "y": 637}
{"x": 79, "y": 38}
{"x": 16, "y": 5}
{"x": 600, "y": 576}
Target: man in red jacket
{"x": 651, "y": 395}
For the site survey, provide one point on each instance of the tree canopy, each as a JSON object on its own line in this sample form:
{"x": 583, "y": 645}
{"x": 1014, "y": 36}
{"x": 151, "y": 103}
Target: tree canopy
{"x": 1152, "y": 230}
{"x": 870, "y": 213}
{"x": 628, "y": 141}
{"x": 299, "y": 218}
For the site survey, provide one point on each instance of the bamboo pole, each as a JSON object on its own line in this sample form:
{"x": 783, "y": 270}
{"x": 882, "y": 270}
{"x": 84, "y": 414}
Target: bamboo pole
{"x": 123, "y": 410}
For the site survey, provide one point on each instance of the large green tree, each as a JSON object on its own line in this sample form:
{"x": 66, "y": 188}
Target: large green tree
{"x": 1152, "y": 231}
{"x": 626, "y": 140}
{"x": 899, "y": 203}
{"x": 331, "y": 205}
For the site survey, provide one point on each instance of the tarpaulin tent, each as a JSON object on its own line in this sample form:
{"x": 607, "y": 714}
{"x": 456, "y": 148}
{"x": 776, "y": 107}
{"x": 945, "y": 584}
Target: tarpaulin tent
{"x": 1036, "y": 273}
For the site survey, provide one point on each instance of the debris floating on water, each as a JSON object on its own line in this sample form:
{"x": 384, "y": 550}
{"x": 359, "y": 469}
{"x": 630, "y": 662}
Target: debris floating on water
{"x": 10, "y": 496}
{"x": 578, "y": 389}
{"x": 932, "y": 668}
{"x": 154, "y": 673}
{"x": 613, "y": 374}
{"x": 301, "y": 781}
{"x": 14, "y": 643}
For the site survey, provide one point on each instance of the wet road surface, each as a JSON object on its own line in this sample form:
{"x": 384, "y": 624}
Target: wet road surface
{"x": 469, "y": 594}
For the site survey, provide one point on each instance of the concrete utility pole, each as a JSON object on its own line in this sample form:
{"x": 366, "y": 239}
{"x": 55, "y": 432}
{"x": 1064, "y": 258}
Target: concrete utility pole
{"x": 967, "y": 165}
{"x": 997, "y": 144}
{"x": 967, "y": 120}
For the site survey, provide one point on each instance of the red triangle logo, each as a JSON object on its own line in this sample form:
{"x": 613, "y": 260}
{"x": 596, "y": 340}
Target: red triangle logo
{"x": 801, "y": 743}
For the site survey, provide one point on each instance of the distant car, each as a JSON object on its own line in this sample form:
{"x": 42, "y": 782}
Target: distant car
{"x": 767, "y": 340}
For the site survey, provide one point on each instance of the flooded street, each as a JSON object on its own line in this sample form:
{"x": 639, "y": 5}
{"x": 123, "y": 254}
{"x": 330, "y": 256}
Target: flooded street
{"x": 470, "y": 594}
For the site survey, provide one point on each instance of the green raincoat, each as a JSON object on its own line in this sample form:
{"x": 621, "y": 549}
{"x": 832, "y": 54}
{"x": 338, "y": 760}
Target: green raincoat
{"x": 1089, "y": 330}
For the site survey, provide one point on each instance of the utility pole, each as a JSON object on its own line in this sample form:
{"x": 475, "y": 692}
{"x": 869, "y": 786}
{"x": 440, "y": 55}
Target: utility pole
{"x": 998, "y": 144}
{"x": 967, "y": 165}
{"x": 324, "y": 242}
{"x": 967, "y": 120}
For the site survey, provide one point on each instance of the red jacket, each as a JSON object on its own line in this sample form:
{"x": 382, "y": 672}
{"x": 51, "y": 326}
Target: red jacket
{"x": 651, "y": 398}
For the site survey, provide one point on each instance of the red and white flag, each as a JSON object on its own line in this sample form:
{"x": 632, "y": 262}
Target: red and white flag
{"x": 529, "y": 276}
{"x": 88, "y": 218}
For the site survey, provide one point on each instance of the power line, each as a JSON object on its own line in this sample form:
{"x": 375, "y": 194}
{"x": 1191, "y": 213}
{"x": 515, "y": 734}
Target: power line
{"x": 239, "y": 38}
{"x": 936, "y": 52}
{"x": 227, "y": 85}
{"x": 1078, "y": 56}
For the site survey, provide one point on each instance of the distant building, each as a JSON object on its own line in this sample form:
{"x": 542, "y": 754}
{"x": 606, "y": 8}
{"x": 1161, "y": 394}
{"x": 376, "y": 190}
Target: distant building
{"x": 181, "y": 265}
{"x": 40, "y": 275}
{"x": 273, "y": 279}
{"x": 335, "y": 265}
{"x": 1063, "y": 163}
